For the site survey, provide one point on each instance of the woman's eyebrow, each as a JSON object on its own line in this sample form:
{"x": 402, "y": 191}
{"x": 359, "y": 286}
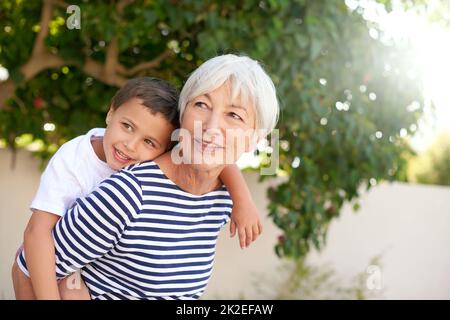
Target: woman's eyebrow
{"x": 239, "y": 107}
{"x": 208, "y": 96}
{"x": 231, "y": 105}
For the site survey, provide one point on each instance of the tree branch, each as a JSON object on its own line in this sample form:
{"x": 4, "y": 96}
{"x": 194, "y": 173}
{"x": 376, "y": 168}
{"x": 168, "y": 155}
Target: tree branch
{"x": 112, "y": 57}
{"x": 96, "y": 70}
{"x": 60, "y": 3}
{"x": 112, "y": 64}
{"x": 46, "y": 15}
{"x": 40, "y": 58}
{"x": 149, "y": 64}
{"x": 111, "y": 72}
{"x": 122, "y": 4}
{"x": 7, "y": 90}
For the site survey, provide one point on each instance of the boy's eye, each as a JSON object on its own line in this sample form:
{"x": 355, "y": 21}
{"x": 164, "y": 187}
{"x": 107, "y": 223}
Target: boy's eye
{"x": 235, "y": 116}
{"x": 126, "y": 126}
{"x": 149, "y": 142}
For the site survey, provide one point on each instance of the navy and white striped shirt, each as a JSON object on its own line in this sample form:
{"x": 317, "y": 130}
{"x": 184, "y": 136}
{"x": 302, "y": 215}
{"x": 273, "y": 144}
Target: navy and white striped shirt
{"x": 140, "y": 236}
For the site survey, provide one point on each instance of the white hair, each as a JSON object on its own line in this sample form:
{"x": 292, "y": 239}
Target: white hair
{"x": 247, "y": 80}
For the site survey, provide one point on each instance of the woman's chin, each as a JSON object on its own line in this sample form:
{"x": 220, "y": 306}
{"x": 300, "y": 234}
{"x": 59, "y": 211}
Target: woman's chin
{"x": 206, "y": 162}
{"x": 202, "y": 159}
{"x": 207, "y": 166}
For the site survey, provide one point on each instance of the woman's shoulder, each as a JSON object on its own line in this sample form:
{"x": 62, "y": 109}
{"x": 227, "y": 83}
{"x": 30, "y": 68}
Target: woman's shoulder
{"x": 141, "y": 172}
{"x": 158, "y": 191}
{"x": 144, "y": 172}
{"x": 142, "y": 166}
{"x": 153, "y": 178}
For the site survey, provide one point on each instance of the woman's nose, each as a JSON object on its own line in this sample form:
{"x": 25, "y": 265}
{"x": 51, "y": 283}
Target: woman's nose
{"x": 211, "y": 128}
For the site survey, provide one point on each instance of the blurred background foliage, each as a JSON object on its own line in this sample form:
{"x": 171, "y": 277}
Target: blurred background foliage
{"x": 433, "y": 165}
{"x": 300, "y": 279}
{"x": 348, "y": 98}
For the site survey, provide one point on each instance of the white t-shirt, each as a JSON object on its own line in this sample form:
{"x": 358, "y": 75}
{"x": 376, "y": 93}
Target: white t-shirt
{"x": 73, "y": 171}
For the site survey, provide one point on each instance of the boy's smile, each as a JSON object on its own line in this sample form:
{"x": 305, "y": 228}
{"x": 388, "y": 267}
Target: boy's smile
{"x": 134, "y": 134}
{"x": 121, "y": 157}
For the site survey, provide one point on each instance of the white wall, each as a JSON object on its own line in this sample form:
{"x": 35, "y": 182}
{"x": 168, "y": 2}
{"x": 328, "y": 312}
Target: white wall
{"x": 17, "y": 187}
{"x": 408, "y": 225}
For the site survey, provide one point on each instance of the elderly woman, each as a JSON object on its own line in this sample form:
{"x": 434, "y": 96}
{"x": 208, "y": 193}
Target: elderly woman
{"x": 150, "y": 230}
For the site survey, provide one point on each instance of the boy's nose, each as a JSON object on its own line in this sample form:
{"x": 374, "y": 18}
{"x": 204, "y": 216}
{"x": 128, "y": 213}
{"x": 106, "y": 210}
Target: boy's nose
{"x": 131, "y": 144}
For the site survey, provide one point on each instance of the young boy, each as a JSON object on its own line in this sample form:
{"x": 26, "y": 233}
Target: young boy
{"x": 142, "y": 116}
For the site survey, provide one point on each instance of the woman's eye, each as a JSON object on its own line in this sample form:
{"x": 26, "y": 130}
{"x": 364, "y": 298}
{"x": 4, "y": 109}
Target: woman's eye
{"x": 201, "y": 105}
{"x": 236, "y": 116}
{"x": 149, "y": 142}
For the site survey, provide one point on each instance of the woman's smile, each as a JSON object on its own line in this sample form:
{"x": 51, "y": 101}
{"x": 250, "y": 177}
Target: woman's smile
{"x": 205, "y": 146}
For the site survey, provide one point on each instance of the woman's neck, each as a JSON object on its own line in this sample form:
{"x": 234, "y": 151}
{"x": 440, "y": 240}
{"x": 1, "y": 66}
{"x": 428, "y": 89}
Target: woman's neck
{"x": 188, "y": 177}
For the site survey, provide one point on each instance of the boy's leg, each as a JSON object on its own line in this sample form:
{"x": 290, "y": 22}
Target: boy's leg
{"x": 23, "y": 288}
{"x": 73, "y": 288}
{"x": 70, "y": 288}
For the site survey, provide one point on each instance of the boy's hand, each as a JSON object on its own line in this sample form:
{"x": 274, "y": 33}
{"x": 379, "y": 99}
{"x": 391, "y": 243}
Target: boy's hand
{"x": 245, "y": 218}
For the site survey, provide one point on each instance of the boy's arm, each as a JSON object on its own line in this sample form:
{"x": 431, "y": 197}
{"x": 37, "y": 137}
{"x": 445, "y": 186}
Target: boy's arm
{"x": 40, "y": 254}
{"x": 245, "y": 215}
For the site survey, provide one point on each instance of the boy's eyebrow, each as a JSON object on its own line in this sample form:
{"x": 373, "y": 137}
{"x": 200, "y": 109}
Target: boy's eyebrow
{"x": 150, "y": 137}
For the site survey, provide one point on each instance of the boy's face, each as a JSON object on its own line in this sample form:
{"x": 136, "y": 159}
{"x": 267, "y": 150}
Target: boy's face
{"x": 134, "y": 134}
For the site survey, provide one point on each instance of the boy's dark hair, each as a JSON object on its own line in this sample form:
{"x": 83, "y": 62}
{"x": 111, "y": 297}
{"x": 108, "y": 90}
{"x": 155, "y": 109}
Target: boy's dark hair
{"x": 156, "y": 94}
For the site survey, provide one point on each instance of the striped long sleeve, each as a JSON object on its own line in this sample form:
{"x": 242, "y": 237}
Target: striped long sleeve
{"x": 140, "y": 236}
{"x": 94, "y": 225}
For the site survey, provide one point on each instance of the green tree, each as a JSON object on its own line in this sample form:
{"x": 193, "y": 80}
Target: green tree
{"x": 342, "y": 107}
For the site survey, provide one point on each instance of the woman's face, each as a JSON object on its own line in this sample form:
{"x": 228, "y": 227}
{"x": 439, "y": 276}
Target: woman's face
{"x": 216, "y": 129}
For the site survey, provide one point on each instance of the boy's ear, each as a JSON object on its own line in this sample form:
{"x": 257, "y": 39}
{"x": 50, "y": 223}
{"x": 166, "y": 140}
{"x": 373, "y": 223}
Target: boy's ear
{"x": 109, "y": 115}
